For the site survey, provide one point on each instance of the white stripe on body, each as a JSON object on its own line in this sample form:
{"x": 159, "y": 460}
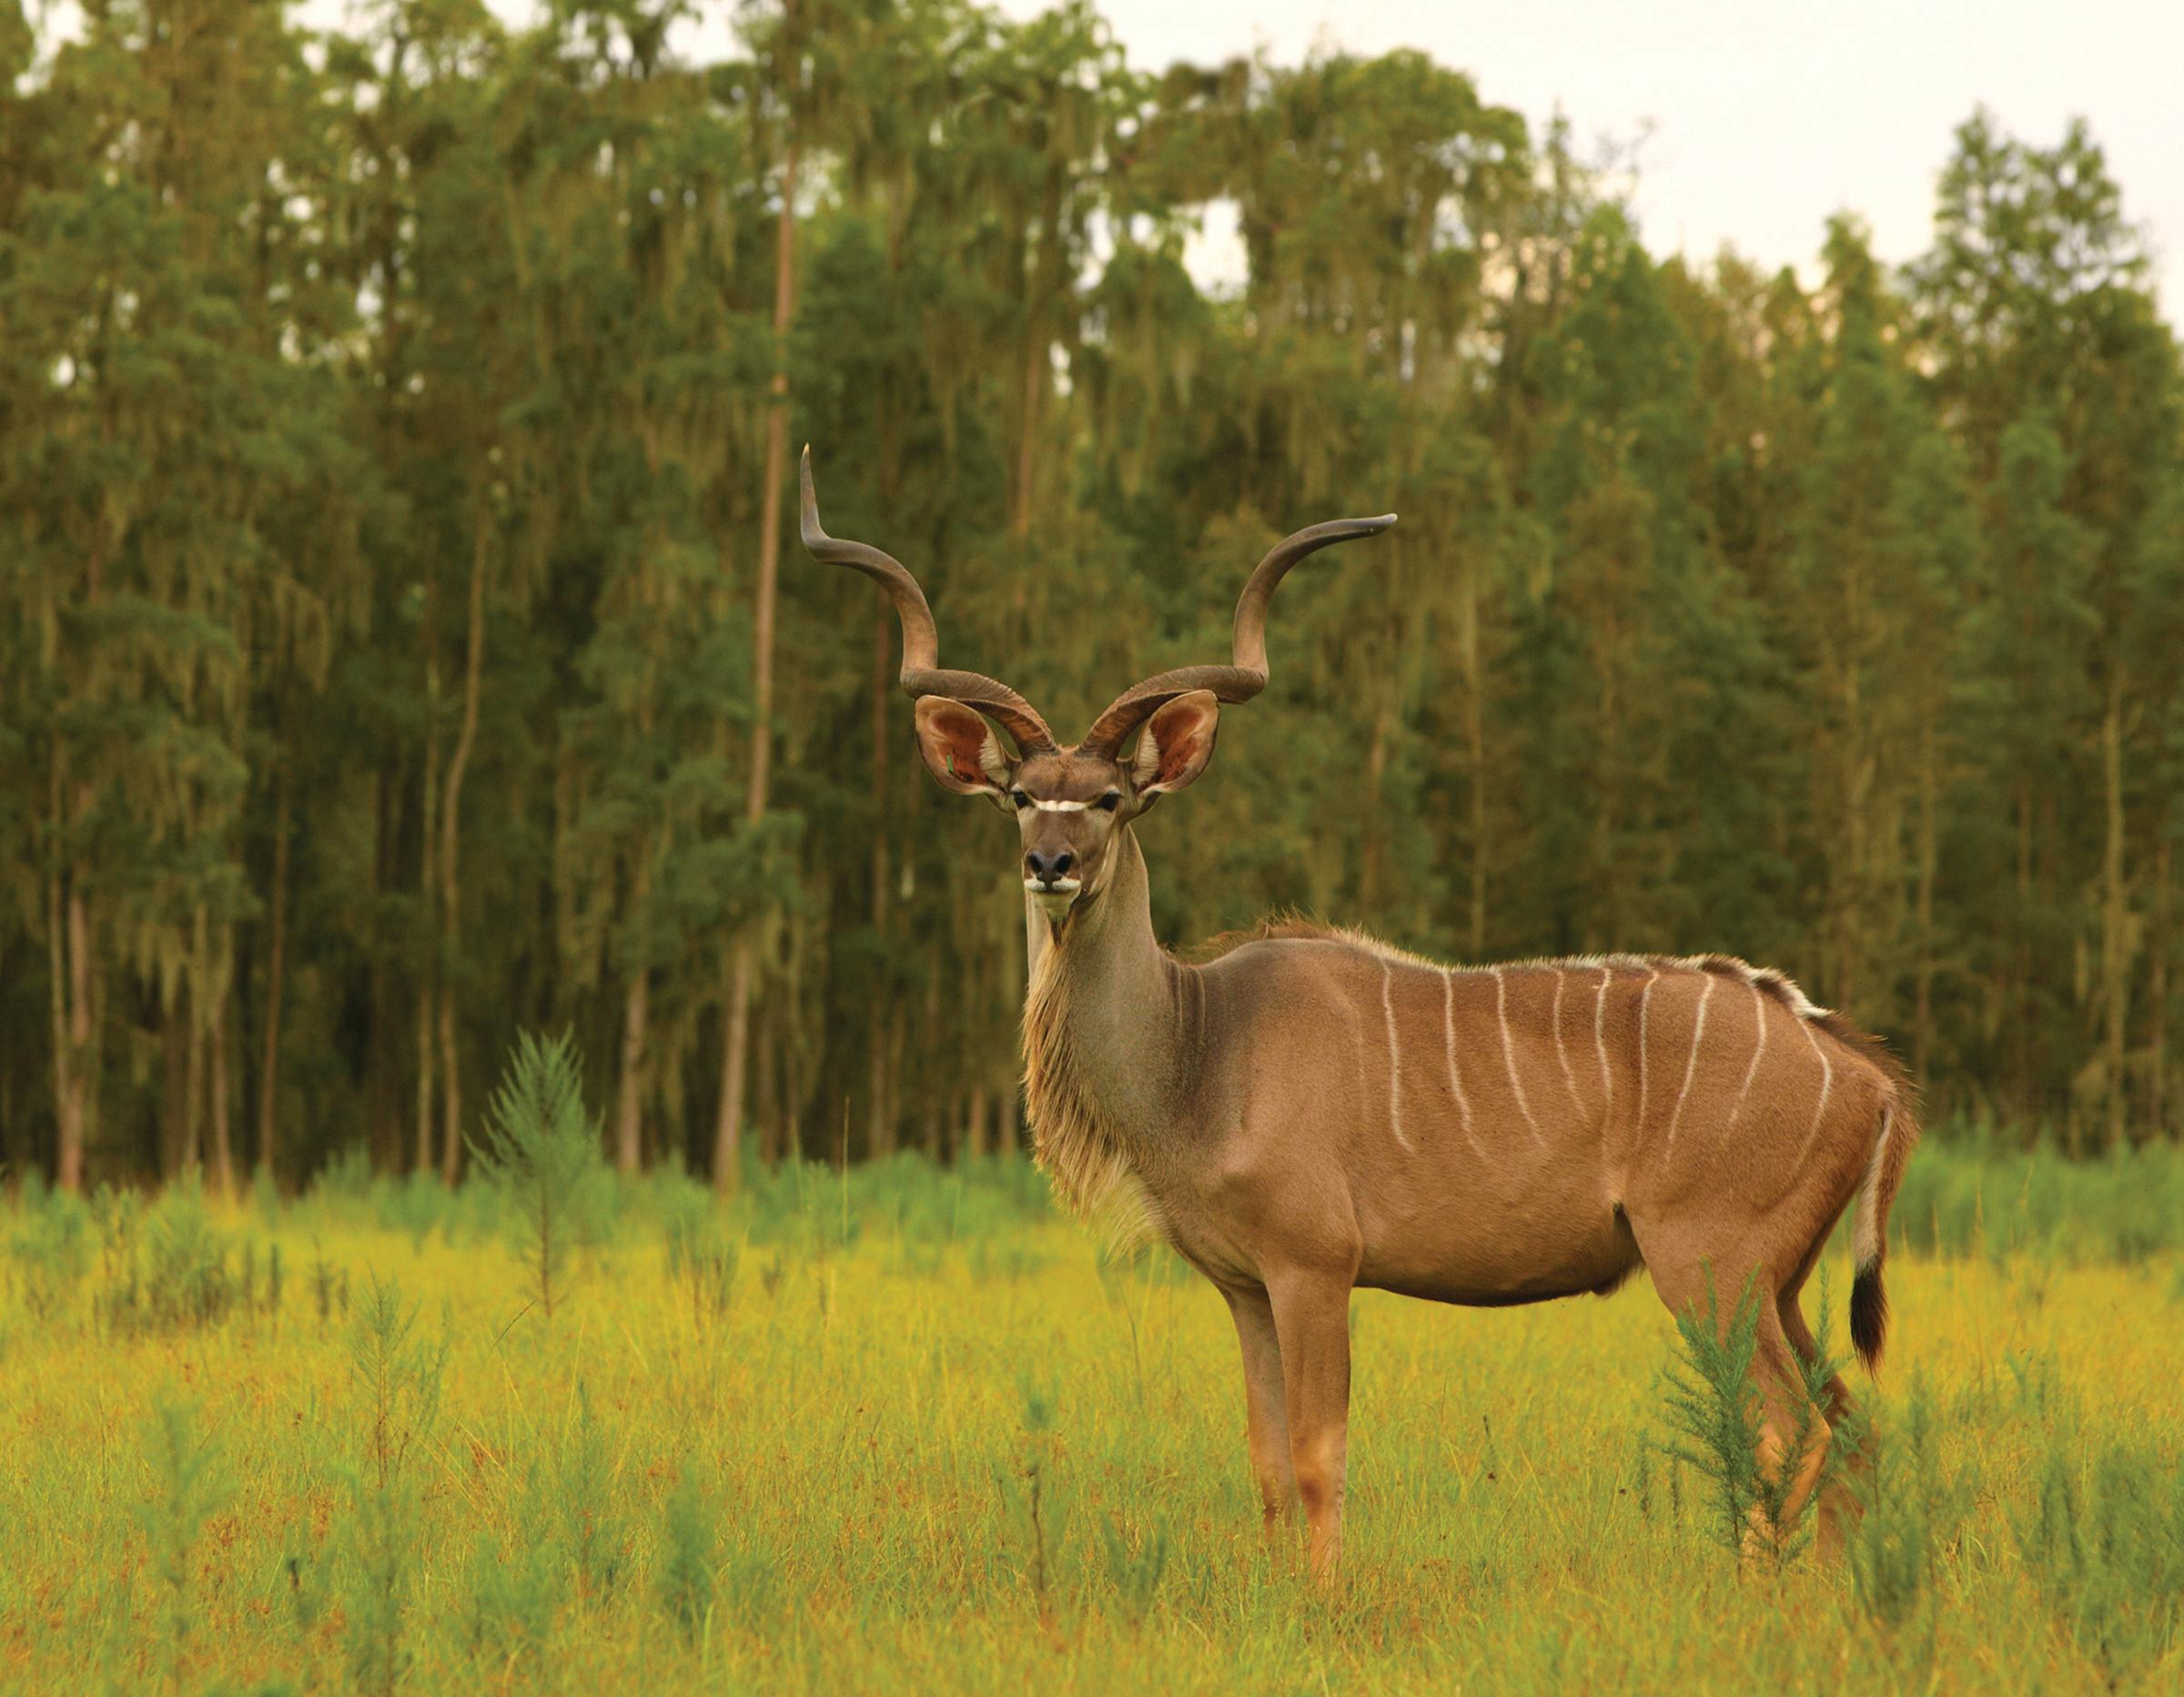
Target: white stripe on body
{"x": 1448, "y": 1026}
{"x": 1562, "y": 1051}
{"x": 1395, "y": 1053}
{"x": 1645, "y": 997}
{"x": 1600, "y": 1042}
{"x": 1759, "y": 1010}
{"x": 1509, "y": 1056}
{"x": 1828, "y": 1079}
{"x": 1690, "y": 1065}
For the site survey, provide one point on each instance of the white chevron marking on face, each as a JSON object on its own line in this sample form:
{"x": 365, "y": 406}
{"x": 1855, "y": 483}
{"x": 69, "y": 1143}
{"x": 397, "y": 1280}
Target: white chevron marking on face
{"x": 1061, "y": 807}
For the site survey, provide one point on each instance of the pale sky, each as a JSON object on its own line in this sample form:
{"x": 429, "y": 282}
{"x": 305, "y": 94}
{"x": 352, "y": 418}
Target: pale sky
{"x": 1760, "y": 119}
{"x": 1765, "y": 118}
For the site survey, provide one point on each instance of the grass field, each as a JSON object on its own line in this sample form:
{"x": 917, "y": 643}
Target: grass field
{"x": 903, "y": 1430}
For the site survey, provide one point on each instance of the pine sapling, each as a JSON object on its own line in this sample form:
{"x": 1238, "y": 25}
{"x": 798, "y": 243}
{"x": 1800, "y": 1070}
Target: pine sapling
{"x": 688, "y": 1536}
{"x": 512, "y": 1595}
{"x": 540, "y": 1149}
{"x": 591, "y": 1521}
{"x": 1134, "y": 1568}
{"x": 397, "y": 1378}
{"x": 1717, "y": 1417}
{"x": 192, "y": 1485}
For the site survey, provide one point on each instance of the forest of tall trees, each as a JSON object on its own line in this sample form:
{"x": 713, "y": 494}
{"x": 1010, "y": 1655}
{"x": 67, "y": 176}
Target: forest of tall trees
{"x": 399, "y": 646}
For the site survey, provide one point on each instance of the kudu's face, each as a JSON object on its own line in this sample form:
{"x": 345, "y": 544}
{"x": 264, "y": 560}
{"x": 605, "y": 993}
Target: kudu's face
{"x": 1069, "y": 804}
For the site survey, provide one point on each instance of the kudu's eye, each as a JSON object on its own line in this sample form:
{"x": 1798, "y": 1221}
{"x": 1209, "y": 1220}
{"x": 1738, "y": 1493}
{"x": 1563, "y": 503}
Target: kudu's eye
{"x": 1108, "y": 803}
{"x": 1019, "y": 798}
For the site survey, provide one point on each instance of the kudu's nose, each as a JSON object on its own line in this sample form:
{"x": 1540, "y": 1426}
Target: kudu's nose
{"x": 1046, "y": 868}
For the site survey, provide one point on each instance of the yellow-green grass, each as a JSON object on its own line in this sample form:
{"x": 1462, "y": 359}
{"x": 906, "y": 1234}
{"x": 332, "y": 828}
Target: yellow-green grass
{"x": 857, "y": 1432}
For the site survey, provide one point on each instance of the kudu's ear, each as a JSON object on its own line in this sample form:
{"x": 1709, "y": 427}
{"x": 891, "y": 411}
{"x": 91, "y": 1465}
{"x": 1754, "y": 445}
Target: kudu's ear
{"x": 1177, "y": 744}
{"x": 961, "y": 749}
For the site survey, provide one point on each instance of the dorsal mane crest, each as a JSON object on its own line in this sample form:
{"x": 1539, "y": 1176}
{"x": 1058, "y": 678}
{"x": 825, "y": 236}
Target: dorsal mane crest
{"x": 1768, "y": 981}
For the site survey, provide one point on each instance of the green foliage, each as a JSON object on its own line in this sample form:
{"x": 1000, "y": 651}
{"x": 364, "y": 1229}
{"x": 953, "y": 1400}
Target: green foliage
{"x": 540, "y": 1149}
{"x": 1716, "y": 1416}
{"x": 687, "y": 1541}
{"x": 1910, "y": 1519}
{"x": 1715, "y": 1412}
{"x": 49, "y": 1250}
{"x": 2105, "y": 1541}
{"x": 702, "y": 1256}
{"x": 593, "y": 1529}
{"x": 398, "y": 1378}
{"x": 512, "y": 1593}
{"x": 1977, "y": 1191}
{"x": 190, "y": 1485}
{"x": 1135, "y": 1565}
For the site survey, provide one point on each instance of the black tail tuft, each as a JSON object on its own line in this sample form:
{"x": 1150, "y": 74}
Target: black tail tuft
{"x": 1869, "y": 1315}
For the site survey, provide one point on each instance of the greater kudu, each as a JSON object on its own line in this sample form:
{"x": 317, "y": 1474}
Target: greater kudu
{"x": 1312, "y": 1111}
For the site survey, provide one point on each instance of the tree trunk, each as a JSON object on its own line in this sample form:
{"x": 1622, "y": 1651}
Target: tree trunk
{"x": 77, "y": 1071}
{"x": 766, "y": 1095}
{"x": 629, "y": 1112}
{"x": 2115, "y": 915}
{"x": 173, "y": 1097}
{"x": 276, "y": 908}
{"x": 429, "y": 859}
{"x": 743, "y": 956}
{"x": 68, "y": 1151}
{"x": 223, "y": 1146}
{"x": 1929, "y": 856}
{"x": 68, "y": 938}
{"x": 1370, "y": 853}
{"x": 2156, "y": 989}
{"x": 891, "y": 1120}
{"x": 973, "y": 1134}
{"x": 735, "y": 1055}
{"x": 193, "y": 1098}
{"x": 385, "y": 1060}
{"x": 1474, "y": 742}
{"x": 879, "y": 1137}
{"x": 1854, "y": 879}
{"x": 450, "y": 842}
{"x": 2020, "y": 1003}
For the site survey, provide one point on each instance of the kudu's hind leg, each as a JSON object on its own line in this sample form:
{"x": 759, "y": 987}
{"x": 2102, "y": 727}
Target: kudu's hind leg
{"x": 1787, "y": 1421}
{"x": 1682, "y": 1285}
{"x": 1266, "y": 1413}
{"x": 1838, "y": 1504}
{"x": 1311, "y": 1317}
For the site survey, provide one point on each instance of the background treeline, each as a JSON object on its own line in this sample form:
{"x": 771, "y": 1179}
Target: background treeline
{"x": 394, "y": 428}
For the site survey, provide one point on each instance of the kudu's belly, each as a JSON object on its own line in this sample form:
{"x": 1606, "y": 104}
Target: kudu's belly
{"x": 1489, "y": 1250}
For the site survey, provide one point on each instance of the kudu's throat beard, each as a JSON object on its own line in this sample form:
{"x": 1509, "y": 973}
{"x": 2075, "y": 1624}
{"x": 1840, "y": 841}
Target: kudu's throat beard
{"x": 1055, "y": 906}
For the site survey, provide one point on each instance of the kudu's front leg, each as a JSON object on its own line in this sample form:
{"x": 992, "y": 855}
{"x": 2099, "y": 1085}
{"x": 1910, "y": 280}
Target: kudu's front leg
{"x": 1311, "y": 1319}
{"x": 1266, "y": 1414}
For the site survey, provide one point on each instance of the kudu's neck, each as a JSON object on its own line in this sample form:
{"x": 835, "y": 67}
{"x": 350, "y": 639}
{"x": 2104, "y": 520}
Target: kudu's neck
{"x": 1109, "y": 1022}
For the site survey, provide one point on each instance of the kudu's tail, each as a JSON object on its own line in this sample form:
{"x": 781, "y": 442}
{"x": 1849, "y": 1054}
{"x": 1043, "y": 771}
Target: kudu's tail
{"x": 1884, "y": 1173}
